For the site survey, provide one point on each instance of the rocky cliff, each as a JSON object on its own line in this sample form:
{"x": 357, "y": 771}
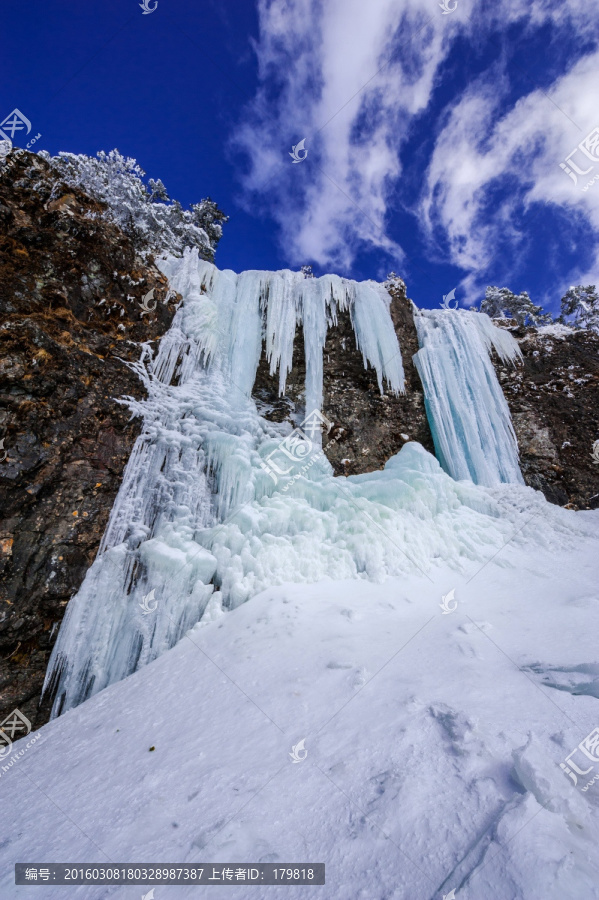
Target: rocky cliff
{"x": 71, "y": 286}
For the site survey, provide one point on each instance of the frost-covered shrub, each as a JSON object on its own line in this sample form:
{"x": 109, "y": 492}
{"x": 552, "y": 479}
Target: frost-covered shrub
{"x": 580, "y": 307}
{"x": 394, "y": 280}
{"x": 501, "y": 302}
{"x": 143, "y": 211}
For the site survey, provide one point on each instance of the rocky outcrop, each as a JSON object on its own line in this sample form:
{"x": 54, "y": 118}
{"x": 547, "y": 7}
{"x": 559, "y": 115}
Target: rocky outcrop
{"x": 371, "y": 427}
{"x": 71, "y": 286}
{"x": 554, "y": 401}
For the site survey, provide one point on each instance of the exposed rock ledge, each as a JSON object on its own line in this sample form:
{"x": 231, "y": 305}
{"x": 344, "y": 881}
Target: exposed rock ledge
{"x": 554, "y": 401}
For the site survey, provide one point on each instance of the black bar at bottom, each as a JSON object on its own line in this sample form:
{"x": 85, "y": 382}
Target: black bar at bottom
{"x": 169, "y": 873}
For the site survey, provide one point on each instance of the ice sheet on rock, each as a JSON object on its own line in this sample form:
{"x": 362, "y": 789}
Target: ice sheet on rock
{"x": 467, "y": 411}
{"x": 200, "y": 455}
{"x": 148, "y": 546}
{"x": 276, "y": 302}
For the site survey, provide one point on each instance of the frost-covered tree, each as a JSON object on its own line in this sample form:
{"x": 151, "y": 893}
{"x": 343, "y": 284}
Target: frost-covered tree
{"x": 580, "y": 306}
{"x": 207, "y": 216}
{"x": 157, "y": 190}
{"x": 143, "y": 211}
{"x": 307, "y": 272}
{"x": 501, "y": 302}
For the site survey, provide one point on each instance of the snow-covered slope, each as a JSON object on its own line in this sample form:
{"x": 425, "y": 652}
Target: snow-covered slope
{"x": 434, "y": 740}
{"x": 430, "y": 640}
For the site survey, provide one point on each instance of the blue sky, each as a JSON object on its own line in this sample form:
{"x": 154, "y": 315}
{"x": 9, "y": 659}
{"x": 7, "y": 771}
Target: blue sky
{"x": 434, "y": 140}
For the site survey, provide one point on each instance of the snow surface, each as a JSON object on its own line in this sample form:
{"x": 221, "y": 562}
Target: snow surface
{"x": 557, "y": 330}
{"x": 434, "y": 740}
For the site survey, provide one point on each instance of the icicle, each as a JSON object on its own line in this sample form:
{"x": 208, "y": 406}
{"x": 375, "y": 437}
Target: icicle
{"x": 314, "y": 296}
{"x": 376, "y": 339}
{"x": 283, "y": 313}
{"x": 467, "y": 411}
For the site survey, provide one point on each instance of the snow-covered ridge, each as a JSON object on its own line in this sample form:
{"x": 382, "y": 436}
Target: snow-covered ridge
{"x": 143, "y": 211}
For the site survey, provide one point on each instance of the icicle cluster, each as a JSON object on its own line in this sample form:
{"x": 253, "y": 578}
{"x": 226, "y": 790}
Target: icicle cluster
{"x": 467, "y": 411}
{"x": 200, "y": 455}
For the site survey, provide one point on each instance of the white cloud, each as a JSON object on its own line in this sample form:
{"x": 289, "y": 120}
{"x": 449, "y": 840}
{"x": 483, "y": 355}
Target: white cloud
{"x": 320, "y": 56}
{"x": 526, "y": 144}
{"x": 324, "y": 65}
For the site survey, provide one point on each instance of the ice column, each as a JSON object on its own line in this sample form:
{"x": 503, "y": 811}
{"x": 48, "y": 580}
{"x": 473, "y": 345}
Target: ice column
{"x": 467, "y": 411}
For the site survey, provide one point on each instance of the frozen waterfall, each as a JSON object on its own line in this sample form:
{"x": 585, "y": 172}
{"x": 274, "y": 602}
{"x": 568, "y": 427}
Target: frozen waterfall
{"x": 467, "y": 411}
{"x": 200, "y": 456}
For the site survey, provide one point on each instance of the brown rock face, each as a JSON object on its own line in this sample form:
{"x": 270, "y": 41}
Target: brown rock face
{"x": 368, "y": 427}
{"x": 70, "y": 293}
{"x": 371, "y": 427}
{"x": 554, "y": 402}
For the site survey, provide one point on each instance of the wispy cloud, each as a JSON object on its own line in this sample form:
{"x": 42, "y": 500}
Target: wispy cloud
{"x": 482, "y": 143}
{"x": 354, "y": 78}
{"x": 349, "y": 77}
